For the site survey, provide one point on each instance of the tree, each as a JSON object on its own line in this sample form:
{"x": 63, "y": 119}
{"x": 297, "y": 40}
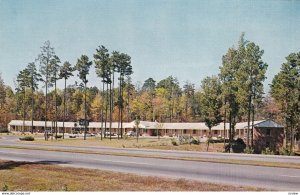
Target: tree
{"x": 189, "y": 92}
{"x": 2, "y": 93}
{"x": 44, "y": 58}
{"x": 149, "y": 87}
{"x": 229, "y": 88}
{"x": 54, "y": 68}
{"x": 34, "y": 78}
{"x": 83, "y": 66}
{"x": 65, "y": 72}
{"x": 250, "y": 76}
{"x": 23, "y": 80}
{"x": 122, "y": 62}
{"x": 103, "y": 70}
{"x": 211, "y": 103}
{"x": 171, "y": 84}
{"x": 285, "y": 89}
{"x": 130, "y": 90}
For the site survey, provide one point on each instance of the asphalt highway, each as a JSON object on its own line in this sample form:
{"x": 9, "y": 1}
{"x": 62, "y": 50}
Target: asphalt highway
{"x": 286, "y": 179}
{"x": 243, "y": 175}
{"x": 13, "y": 141}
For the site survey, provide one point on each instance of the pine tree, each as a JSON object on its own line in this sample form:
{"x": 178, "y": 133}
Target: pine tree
{"x": 285, "y": 89}
{"x": 44, "y": 58}
{"x": 65, "y": 72}
{"x": 83, "y": 66}
{"x": 34, "y": 78}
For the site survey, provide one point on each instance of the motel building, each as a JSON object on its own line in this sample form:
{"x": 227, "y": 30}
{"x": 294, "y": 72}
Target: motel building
{"x": 266, "y": 133}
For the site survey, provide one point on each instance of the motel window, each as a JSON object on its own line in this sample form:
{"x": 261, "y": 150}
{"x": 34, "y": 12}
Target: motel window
{"x": 268, "y": 132}
{"x": 194, "y": 131}
{"x": 184, "y": 131}
{"x": 215, "y": 132}
{"x": 204, "y": 131}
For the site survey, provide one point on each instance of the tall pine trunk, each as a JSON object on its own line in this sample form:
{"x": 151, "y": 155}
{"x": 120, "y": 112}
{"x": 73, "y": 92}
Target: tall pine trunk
{"x": 106, "y": 109}
{"x": 230, "y": 130}
{"x": 65, "y": 91}
{"x": 46, "y": 108}
{"x": 110, "y": 111}
{"x": 252, "y": 127}
{"x": 253, "y": 114}
{"x": 55, "y": 108}
{"x": 249, "y": 119}
{"x": 24, "y": 112}
{"x": 128, "y": 105}
{"x": 85, "y": 121}
{"x": 32, "y": 107}
{"x": 225, "y": 127}
{"x": 121, "y": 107}
{"x": 102, "y": 109}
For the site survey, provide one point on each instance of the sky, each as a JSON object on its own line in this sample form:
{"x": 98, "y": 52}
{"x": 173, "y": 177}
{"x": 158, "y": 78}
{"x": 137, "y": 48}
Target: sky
{"x": 183, "y": 38}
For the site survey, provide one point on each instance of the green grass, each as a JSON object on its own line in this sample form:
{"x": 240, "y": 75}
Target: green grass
{"x": 147, "y": 143}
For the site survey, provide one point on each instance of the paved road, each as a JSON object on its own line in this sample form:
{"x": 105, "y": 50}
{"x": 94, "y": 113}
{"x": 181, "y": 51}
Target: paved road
{"x": 8, "y": 141}
{"x": 265, "y": 177}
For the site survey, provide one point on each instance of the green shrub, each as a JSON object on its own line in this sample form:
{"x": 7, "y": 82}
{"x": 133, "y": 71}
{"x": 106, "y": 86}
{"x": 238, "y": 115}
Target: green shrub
{"x": 267, "y": 151}
{"x": 58, "y": 136}
{"x": 174, "y": 142}
{"x": 238, "y": 146}
{"x": 286, "y": 152}
{"x": 4, "y": 131}
{"x": 249, "y": 150}
{"x": 4, "y": 188}
{"x": 27, "y": 138}
{"x": 195, "y": 141}
{"x": 65, "y": 187}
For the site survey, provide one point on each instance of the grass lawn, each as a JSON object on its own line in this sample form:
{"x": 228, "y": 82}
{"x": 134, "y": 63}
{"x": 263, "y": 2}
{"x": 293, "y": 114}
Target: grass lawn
{"x": 25, "y": 176}
{"x": 150, "y": 143}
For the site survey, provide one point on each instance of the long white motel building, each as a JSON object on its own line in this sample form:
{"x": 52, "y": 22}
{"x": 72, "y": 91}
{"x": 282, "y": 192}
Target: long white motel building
{"x": 267, "y": 133}
{"x": 147, "y": 128}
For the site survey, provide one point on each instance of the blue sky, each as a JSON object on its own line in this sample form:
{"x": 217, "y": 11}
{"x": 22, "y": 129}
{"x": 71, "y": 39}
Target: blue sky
{"x": 183, "y": 38}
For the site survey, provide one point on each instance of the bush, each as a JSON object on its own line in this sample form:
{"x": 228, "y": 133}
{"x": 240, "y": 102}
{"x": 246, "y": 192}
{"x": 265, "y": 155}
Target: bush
{"x": 174, "y": 142}
{"x": 286, "y": 152}
{"x": 58, "y": 136}
{"x": 195, "y": 141}
{"x": 267, "y": 151}
{"x": 27, "y": 138}
{"x": 4, "y": 131}
{"x": 238, "y": 146}
{"x": 249, "y": 150}
{"x": 184, "y": 139}
{"x": 4, "y": 188}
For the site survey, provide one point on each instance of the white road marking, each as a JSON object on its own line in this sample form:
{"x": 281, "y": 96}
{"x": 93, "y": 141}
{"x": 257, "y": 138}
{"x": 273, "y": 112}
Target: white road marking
{"x": 290, "y": 175}
{"x": 113, "y": 161}
{"x": 9, "y": 152}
